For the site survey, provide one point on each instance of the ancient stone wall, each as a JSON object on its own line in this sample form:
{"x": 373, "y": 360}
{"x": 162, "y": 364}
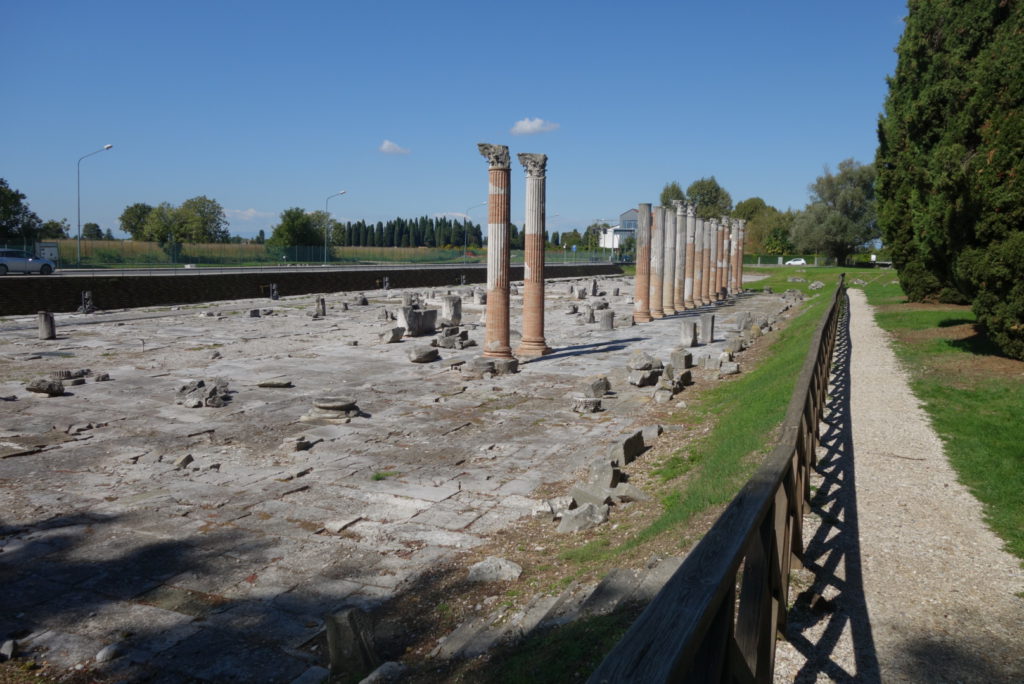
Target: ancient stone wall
{"x": 27, "y": 295}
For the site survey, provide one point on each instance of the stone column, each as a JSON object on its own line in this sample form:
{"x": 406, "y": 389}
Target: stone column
{"x": 533, "y": 343}
{"x": 706, "y": 260}
{"x": 737, "y": 274}
{"x": 680, "y": 272}
{"x": 716, "y": 236}
{"x": 496, "y": 334}
{"x": 668, "y": 274}
{"x": 691, "y": 229}
{"x": 642, "y": 287}
{"x": 698, "y": 263}
{"x": 657, "y": 262}
{"x": 723, "y": 226}
{"x": 727, "y": 258}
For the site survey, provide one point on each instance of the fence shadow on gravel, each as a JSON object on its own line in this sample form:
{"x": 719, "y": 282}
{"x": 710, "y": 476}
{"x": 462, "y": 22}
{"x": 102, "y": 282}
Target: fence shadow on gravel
{"x": 833, "y": 553}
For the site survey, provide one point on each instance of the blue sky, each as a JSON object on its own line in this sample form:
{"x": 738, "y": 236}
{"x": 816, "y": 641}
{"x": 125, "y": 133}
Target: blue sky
{"x": 265, "y": 106}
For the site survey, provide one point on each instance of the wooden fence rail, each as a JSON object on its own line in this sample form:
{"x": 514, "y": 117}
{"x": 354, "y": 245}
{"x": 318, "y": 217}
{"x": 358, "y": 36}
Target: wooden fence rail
{"x": 694, "y": 630}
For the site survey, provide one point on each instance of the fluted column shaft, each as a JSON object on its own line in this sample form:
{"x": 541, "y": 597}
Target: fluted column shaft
{"x": 710, "y": 270}
{"x": 657, "y": 262}
{"x": 680, "y": 270}
{"x": 698, "y": 263}
{"x": 533, "y": 343}
{"x": 691, "y": 229}
{"x": 727, "y": 258}
{"x": 496, "y": 334}
{"x": 668, "y": 275}
{"x": 723, "y": 225}
{"x": 713, "y": 270}
{"x": 740, "y": 244}
{"x": 642, "y": 286}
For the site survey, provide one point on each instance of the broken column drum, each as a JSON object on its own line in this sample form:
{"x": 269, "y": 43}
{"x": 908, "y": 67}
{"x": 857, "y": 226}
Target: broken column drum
{"x": 657, "y": 261}
{"x": 678, "y": 298}
{"x": 496, "y": 334}
{"x": 533, "y": 343}
{"x": 642, "y": 285}
{"x": 691, "y": 228}
{"x": 47, "y": 326}
{"x": 668, "y": 275}
{"x": 451, "y": 310}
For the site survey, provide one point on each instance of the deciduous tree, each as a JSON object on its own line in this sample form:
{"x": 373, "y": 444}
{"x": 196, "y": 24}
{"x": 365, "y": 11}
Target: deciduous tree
{"x": 841, "y": 215}
{"x": 17, "y": 221}
{"x": 133, "y": 220}
{"x": 711, "y": 198}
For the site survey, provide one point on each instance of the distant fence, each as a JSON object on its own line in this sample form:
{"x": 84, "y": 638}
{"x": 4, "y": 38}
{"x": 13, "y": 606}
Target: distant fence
{"x": 694, "y": 630}
{"x": 137, "y": 253}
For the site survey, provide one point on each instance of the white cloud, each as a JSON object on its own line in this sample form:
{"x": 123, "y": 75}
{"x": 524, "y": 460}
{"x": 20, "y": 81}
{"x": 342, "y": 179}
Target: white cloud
{"x": 248, "y": 214}
{"x": 530, "y": 126}
{"x": 388, "y": 147}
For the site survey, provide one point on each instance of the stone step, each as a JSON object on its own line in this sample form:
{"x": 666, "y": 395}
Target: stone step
{"x": 463, "y": 634}
{"x": 617, "y": 586}
{"x": 567, "y": 608}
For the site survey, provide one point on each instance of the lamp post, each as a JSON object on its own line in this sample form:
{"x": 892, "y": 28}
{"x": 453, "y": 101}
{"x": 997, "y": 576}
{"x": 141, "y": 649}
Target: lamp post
{"x": 78, "y": 253}
{"x": 327, "y": 224}
{"x": 465, "y": 231}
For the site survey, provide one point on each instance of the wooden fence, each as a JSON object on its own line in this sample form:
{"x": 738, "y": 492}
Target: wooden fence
{"x": 694, "y": 630}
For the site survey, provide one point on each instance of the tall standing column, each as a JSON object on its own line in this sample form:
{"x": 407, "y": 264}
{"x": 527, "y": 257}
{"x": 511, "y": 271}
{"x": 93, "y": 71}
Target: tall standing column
{"x": 496, "y": 335}
{"x": 705, "y": 292}
{"x": 642, "y": 287}
{"x": 738, "y": 274}
{"x": 680, "y": 272}
{"x": 657, "y": 262}
{"x": 723, "y": 226}
{"x": 669, "y": 260}
{"x": 727, "y": 257}
{"x": 712, "y": 279}
{"x": 691, "y": 229}
{"x": 698, "y": 263}
{"x": 533, "y": 343}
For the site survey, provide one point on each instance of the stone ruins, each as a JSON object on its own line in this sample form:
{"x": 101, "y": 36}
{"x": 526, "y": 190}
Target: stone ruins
{"x": 246, "y": 481}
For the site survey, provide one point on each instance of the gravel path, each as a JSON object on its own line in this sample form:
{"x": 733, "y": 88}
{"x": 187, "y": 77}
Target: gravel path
{"x": 916, "y": 587}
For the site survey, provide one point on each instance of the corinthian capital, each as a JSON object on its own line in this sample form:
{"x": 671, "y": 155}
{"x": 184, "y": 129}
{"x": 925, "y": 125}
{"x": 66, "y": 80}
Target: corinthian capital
{"x": 691, "y": 209}
{"x": 678, "y": 204}
{"x": 535, "y": 164}
{"x": 497, "y": 155}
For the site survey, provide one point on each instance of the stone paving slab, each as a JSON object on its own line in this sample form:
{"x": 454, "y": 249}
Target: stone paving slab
{"x": 229, "y": 554}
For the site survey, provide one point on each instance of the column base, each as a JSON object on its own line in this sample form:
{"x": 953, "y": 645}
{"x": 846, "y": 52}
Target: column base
{"x": 657, "y": 314}
{"x": 669, "y": 311}
{"x": 641, "y": 318}
{"x": 500, "y": 353}
{"x": 532, "y": 349}
{"x": 689, "y": 304}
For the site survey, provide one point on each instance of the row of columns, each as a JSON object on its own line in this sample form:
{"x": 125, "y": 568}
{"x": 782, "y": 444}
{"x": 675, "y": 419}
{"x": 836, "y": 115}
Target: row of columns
{"x": 684, "y": 262}
{"x": 496, "y": 333}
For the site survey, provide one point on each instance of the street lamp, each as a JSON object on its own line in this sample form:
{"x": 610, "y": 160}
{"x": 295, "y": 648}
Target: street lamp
{"x": 78, "y": 255}
{"x": 465, "y": 231}
{"x": 327, "y": 224}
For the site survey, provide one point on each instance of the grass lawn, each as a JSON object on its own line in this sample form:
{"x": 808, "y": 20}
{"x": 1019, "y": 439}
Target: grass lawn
{"x": 974, "y": 396}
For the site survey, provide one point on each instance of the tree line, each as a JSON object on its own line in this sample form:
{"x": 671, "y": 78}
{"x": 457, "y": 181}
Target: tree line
{"x": 839, "y": 219}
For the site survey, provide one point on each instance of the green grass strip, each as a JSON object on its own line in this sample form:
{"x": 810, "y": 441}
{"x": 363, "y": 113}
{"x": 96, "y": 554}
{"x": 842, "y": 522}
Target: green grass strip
{"x": 747, "y": 411}
{"x": 976, "y": 414}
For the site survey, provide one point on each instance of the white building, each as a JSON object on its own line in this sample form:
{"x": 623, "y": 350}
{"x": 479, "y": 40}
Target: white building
{"x": 612, "y": 237}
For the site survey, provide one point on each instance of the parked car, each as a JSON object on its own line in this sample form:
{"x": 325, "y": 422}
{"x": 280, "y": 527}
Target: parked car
{"x": 18, "y": 261}
{"x": 796, "y": 262}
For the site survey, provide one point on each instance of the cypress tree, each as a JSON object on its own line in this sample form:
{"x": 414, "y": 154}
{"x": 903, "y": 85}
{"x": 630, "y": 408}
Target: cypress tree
{"x": 950, "y": 161}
